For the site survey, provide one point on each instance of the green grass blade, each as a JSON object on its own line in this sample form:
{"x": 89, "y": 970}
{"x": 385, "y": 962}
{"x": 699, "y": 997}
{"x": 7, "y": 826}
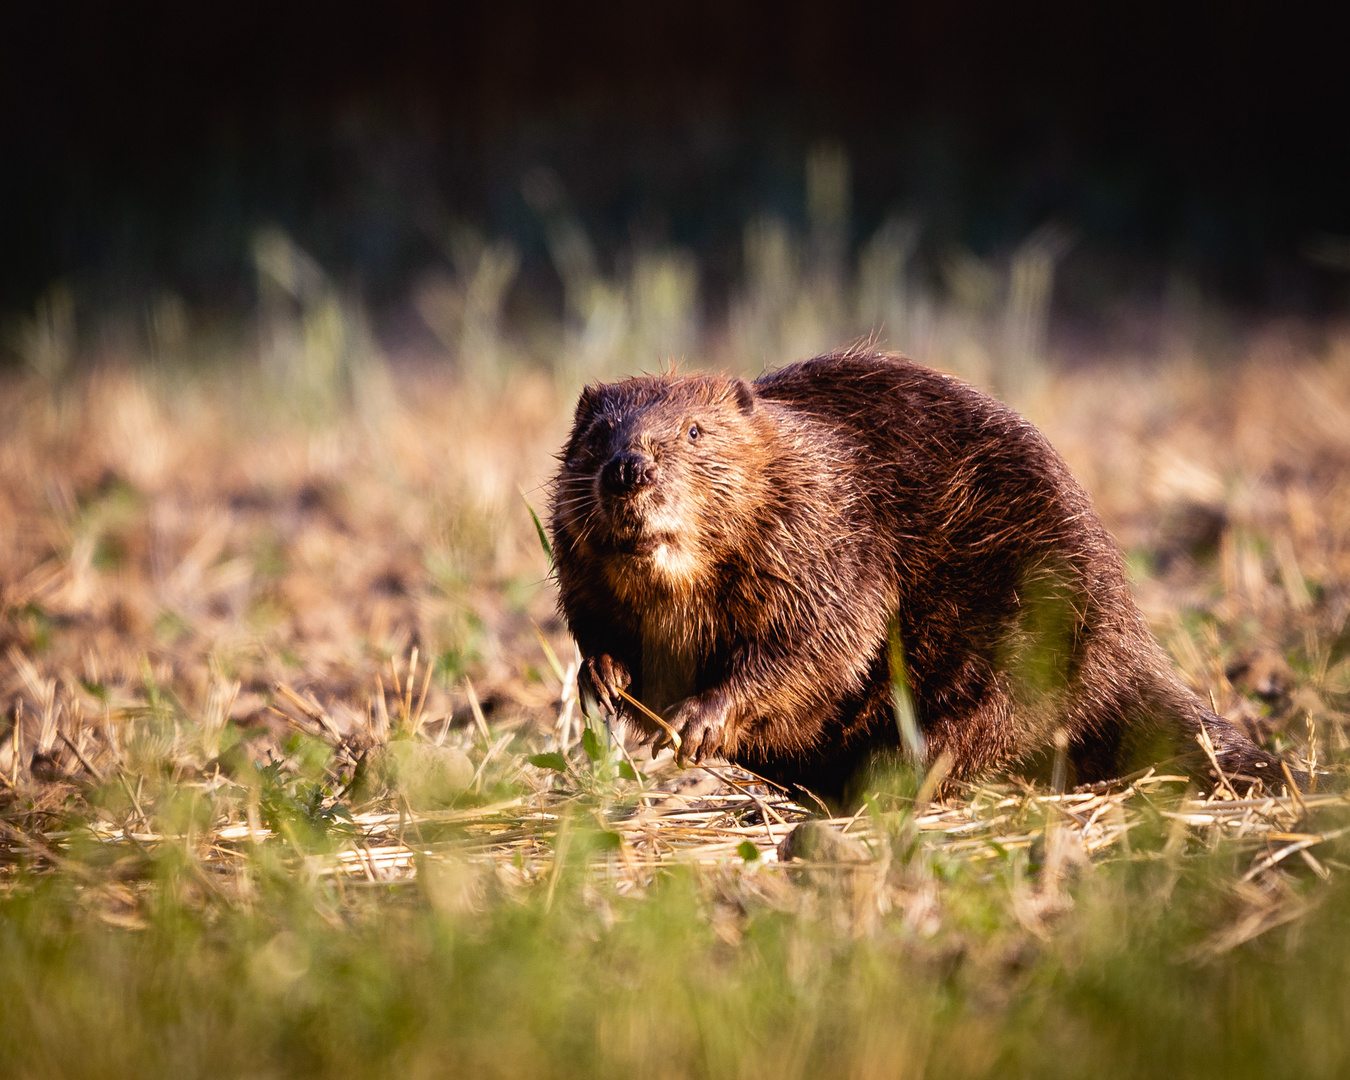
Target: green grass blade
{"x": 539, "y": 528}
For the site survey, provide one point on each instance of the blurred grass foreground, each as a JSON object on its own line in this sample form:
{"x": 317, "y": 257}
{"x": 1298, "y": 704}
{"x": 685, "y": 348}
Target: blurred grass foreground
{"x": 293, "y": 778}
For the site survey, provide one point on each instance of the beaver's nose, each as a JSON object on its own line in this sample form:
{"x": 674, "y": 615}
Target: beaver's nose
{"x": 627, "y": 472}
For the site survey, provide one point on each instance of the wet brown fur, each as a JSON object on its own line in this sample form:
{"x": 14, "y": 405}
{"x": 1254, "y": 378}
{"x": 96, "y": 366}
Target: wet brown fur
{"x": 744, "y": 588}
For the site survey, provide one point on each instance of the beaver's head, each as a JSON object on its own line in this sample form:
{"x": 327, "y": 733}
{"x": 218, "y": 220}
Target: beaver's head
{"x": 659, "y": 472}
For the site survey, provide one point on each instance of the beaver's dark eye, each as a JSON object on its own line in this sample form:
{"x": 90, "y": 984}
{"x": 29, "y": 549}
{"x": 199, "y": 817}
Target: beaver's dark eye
{"x": 599, "y": 434}
{"x": 694, "y": 432}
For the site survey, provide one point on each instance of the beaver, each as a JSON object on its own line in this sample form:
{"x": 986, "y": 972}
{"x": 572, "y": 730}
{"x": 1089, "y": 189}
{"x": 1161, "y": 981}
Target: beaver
{"x": 751, "y": 561}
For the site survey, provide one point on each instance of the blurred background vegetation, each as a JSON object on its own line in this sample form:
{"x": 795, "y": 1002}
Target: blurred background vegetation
{"x": 294, "y": 304}
{"x": 468, "y": 169}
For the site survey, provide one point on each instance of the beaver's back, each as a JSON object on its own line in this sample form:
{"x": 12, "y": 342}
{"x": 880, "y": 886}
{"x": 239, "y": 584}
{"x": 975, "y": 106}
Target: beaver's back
{"x": 997, "y": 559}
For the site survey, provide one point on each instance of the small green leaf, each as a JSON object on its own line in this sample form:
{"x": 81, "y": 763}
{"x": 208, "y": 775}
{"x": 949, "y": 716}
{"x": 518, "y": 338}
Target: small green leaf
{"x": 591, "y": 744}
{"x": 552, "y": 760}
{"x": 627, "y": 771}
{"x": 539, "y": 528}
{"x": 605, "y": 840}
{"x": 746, "y": 850}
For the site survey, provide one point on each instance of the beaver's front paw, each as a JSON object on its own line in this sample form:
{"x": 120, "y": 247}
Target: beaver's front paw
{"x": 600, "y": 680}
{"x": 703, "y": 724}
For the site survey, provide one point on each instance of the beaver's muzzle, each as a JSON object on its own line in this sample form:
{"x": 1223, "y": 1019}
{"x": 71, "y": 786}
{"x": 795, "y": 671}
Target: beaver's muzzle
{"x": 627, "y": 473}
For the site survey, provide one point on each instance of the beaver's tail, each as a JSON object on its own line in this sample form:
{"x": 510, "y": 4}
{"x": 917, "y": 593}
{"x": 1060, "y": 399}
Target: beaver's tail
{"x": 1241, "y": 761}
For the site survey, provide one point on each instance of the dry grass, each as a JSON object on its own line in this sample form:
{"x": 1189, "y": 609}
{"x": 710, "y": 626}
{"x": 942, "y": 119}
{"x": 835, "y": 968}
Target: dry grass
{"x": 220, "y": 609}
{"x": 179, "y": 555}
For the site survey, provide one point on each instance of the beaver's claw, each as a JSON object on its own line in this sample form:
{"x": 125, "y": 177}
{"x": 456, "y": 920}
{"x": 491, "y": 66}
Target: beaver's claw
{"x": 600, "y": 680}
{"x": 701, "y": 723}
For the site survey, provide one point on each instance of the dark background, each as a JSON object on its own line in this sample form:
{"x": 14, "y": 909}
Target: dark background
{"x": 143, "y": 144}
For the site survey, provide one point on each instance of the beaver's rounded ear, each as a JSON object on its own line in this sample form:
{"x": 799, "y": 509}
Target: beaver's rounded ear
{"x": 586, "y": 404}
{"x": 744, "y": 395}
